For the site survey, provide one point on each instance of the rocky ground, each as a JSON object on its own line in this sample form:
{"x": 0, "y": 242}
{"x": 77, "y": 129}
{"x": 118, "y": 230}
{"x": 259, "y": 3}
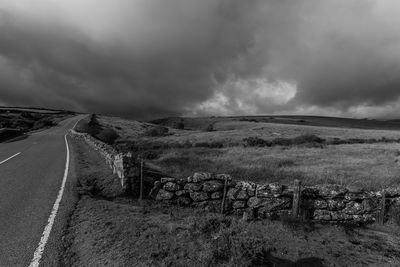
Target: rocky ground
{"x": 107, "y": 229}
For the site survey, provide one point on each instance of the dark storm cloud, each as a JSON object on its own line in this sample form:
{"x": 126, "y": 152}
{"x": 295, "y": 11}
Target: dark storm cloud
{"x": 156, "y": 58}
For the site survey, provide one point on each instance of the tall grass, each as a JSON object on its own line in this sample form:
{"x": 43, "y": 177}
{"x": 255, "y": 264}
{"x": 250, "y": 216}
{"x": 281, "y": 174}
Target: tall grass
{"x": 370, "y": 166}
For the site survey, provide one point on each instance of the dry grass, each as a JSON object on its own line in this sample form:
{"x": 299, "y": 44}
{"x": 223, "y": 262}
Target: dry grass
{"x": 367, "y": 165}
{"x": 106, "y": 230}
{"x": 126, "y": 129}
{"x": 370, "y": 166}
{"x": 231, "y": 132}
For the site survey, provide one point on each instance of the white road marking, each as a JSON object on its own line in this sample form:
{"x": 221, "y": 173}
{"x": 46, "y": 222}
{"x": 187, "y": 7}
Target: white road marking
{"x": 1, "y": 162}
{"x": 46, "y": 233}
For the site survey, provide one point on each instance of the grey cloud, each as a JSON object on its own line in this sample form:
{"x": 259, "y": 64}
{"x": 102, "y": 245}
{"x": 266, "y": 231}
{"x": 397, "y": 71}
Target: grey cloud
{"x": 179, "y": 54}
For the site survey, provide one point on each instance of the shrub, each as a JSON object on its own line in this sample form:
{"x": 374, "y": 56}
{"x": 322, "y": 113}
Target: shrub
{"x": 249, "y": 120}
{"x": 214, "y": 144}
{"x": 282, "y": 141}
{"x": 256, "y": 141}
{"x": 307, "y": 138}
{"x": 42, "y": 124}
{"x": 210, "y": 128}
{"x": 157, "y": 131}
{"x": 93, "y": 122}
{"x": 8, "y": 133}
{"x": 179, "y": 125}
{"x": 94, "y": 126}
{"x": 26, "y": 115}
{"x": 82, "y": 127}
{"x": 107, "y": 135}
{"x": 22, "y": 124}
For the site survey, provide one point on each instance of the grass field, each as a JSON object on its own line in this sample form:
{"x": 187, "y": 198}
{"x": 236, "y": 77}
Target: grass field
{"x": 232, "y": 131}
{"x": 370, "y": 166}
{"x": 107, "y": 229}
{"x": 181, "y": 152}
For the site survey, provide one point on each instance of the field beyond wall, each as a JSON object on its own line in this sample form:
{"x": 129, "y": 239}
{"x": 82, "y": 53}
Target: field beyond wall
{"x": 181, "y": 146}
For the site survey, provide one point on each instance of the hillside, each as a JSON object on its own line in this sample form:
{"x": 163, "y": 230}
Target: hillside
{"x": 17, "y": 121}
{"x": 202, "y": 122}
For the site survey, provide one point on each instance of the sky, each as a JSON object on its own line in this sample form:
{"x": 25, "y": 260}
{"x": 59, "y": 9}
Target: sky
{"x": 146, "y": 59}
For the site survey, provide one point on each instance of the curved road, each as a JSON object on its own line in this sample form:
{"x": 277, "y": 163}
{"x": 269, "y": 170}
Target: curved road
{"x": 29, "y": 186}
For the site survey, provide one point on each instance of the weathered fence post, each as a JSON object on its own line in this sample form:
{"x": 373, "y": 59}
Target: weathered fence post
{"x": 296, "y": 198}
{"x": 141, "y": 181}
{"x": 381, "y": 218}
{"x": 224, "y": 196}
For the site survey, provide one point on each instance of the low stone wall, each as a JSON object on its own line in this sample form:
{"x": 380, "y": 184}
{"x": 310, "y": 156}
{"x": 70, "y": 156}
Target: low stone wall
{"x": 329, "y": 203}
{"x": 121, "y": 164}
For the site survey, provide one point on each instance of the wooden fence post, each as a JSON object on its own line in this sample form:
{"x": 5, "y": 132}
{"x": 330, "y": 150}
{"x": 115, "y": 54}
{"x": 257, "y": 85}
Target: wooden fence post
{"x": 296, "y": 198}
{"x": 381, "y": 218}
{"x": 224, "y": 196}
{"x": 141, "y": 181}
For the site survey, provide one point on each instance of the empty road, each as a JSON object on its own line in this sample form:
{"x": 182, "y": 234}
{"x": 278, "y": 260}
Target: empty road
{"x": 33, "y": 173}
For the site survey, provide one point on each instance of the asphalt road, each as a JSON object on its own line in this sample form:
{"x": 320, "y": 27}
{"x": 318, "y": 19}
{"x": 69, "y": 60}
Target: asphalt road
{"x": 29, "y": 186}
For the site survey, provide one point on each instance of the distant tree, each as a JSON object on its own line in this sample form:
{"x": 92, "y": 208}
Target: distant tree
{"x": 210, "y": 128}
{"x": 94, "y": 126}
{"x": 179, "y": 125}
{"x": 157, "y": 131}
{"x": 107, "y": 135}
{"x": 93, "y": 122}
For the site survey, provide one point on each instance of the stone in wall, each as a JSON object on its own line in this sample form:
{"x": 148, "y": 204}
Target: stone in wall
{"x": 237, "y": 194}
{"x": 201, "y": 177}
{"x": 181, "y": 193}
{"x": 172, "y": 187}
{"x": 216, "y": 195}
{"x": 269, "y": 190}
{"x": 317, "y": 204}
{"x": 392, "y": 192}
{"x": 353, "y": 207}
{"x": 180, "y": 181}
{"x": 213, "y": 186}
{"x": 239, "y": 204}
{"x": 156, "y": 188}
{"x": 164, "y": 195}
{"x": 193, "y": 187}
{"x": 167, "y": 179}
{"x": 327, "y": 191}
{"x": 336, "y": 204}
{"x": 199, "y": 196}
{"x": 322, "y": 215}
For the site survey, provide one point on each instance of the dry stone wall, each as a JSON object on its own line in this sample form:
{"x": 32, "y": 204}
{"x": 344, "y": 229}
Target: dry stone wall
{"x": 329, "y": 203}
{"x": 121, "y": 164}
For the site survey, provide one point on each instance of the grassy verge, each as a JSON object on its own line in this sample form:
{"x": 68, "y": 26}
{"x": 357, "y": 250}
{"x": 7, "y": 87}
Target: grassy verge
{"x": 107, "y": 229}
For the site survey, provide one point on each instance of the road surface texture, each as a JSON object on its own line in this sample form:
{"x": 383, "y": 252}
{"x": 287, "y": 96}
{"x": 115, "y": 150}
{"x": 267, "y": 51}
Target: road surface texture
{"x": 32, "y": 171}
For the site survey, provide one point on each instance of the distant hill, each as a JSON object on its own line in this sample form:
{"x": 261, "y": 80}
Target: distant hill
{"x": 15, "y": 121}
{"x": 203, "y": 122}
{"x": 35, "y": 110}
